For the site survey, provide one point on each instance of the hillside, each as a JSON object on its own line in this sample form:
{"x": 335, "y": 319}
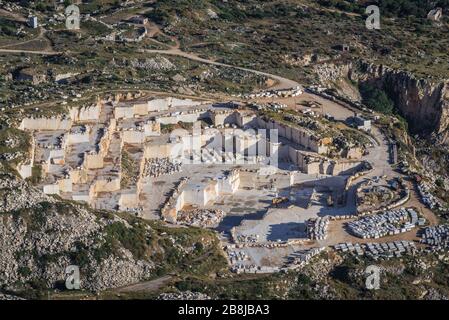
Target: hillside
{"x": 41, "y": 236}
{"x": 213, "y": 50}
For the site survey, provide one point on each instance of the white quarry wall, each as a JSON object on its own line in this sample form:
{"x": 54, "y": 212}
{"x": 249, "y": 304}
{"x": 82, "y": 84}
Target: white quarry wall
{"x": 55, "y": 153}
{"x": 174, "y": 102}
{"x": 81, "y": 197}
{"x": 85, "y": 114}
{"x": 51, "y": 189}
{"x": 158, "y": 105}
{"x": 167, "y": 120}
{"x": 228, "y": 184}
{"x": 185, "y": 117}
{"x": 222, "y": 118}
{"x": 25, "y": 170}
{"x": 45, "y": 124}
{"x": 128, "y": 200}
{"x": 155, "y": 105}
{"x": 152, "y": 128}
{"x": 193, "y": 196}
{"x": 180, "y": 202}
{"x": 123, "y": 112}
{"x": 51, "y": 168}
{"x": 133, "y": 137}
{"x": 109, "y": 185}
{"x": 153, "y": 151}
{"x": 140, "y": 109}
{"x": 203, "y": 193}
{"x": 79, "y": 176}
{"x": 65, "y": 185}
{"x": 165, "y": 150}
{"x": 303, "y": 137}
{"x": 244, "y": 120}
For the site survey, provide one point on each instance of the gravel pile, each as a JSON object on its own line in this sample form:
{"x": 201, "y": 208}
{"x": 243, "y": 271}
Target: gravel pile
{"x": 186, "y": 295}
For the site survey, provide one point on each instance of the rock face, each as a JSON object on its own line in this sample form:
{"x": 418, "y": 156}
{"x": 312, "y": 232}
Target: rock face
{"x": 424, "y": 103}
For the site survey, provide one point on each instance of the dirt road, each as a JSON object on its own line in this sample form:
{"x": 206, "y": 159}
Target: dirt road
{"x": 281, "y": 82}
{"x": 151, "y": 285}
{"x": 45, "y": 53}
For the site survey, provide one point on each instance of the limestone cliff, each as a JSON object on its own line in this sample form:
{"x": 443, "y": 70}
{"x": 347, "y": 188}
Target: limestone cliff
{"x": 423, "y": 102}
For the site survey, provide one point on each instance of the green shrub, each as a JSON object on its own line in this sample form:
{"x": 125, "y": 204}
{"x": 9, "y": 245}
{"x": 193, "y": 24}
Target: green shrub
{"x": 376, "y": 99}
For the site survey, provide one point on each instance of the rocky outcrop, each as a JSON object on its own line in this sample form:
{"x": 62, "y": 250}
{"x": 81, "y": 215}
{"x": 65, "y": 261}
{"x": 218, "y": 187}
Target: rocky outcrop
{"x": 186, "y": 295}
{"x": 16, "y": 194}
{"x": 9, "y": 297}
{"x": 424, "y": 103}
{"x": 41, "y": 236}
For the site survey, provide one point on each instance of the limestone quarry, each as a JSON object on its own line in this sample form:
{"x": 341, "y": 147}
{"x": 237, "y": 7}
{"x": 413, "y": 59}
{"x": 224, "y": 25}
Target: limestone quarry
{"x": 224, "y": 150}
{"x": 256, "y": 176}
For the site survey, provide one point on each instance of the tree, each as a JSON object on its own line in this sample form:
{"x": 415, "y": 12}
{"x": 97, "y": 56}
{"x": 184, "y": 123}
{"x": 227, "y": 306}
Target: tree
{"x": 376, "y": 99}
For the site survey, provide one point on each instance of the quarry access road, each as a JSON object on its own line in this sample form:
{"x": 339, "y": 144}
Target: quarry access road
{"x": 45, "y": 53}
{"x": 281, "y": 82}
{"x": 39, "y": 36}
{"x": 146, "y": 286}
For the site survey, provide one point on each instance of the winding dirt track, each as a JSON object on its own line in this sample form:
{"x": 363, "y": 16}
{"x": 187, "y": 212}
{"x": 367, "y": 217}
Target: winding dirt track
{"x": 281, "y": 83}
{"x": 45, "y": 53}
{"x": 152, "y": 285}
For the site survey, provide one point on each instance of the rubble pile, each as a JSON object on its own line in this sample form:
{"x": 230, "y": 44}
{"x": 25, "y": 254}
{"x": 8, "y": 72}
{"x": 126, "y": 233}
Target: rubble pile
{"x": 272, "y": 106}
{"x": 200, "y": 217}
{"x": 304, "y": 122}
{"x": 18, "y": 195}
{"x": 436, "y": 237}
{"x": 294, "y": 92}
{"x": 427, "y": 197}
{"x": 343, "y": 217}
{"x": 160, "y": 166}
{"x": 384, "y": 250}
{"x": 235, "y": 256}
{"x": 252, "y": 238}
{"x": 302, "y": 257}
{"x": 241, "y": 268}
{"x": 158, "y": 63}
{"x": 317, "y": 228}
{"x": 186, "y": 295}
{"x": 385, "y": 224}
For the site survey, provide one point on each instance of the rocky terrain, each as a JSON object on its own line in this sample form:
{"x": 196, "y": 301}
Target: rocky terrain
{"x": 41, "y": 237}
{"x": 187, "y": 295}
{"x": 424, "y": 103}
{"x": 337, "y": 276}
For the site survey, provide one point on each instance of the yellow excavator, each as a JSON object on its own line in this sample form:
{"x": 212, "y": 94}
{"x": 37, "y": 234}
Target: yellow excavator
{"x": 279, "y": 200}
